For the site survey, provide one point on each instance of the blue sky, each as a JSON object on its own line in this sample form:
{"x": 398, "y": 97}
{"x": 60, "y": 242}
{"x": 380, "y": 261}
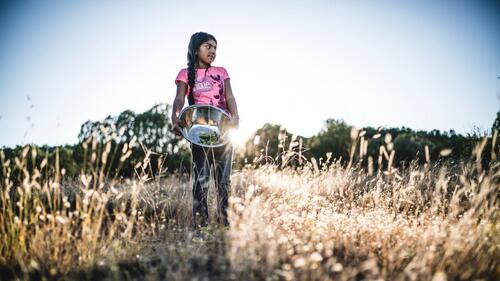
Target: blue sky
{"x": 420, "y": 64}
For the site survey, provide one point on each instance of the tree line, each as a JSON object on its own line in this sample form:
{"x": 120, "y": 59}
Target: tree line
{"x": 119, "y": 146}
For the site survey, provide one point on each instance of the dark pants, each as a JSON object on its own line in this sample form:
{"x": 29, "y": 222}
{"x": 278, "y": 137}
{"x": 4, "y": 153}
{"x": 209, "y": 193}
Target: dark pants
{"x": 218, "y": 161}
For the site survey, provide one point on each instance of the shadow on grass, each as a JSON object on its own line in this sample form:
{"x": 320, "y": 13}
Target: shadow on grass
{"x": 195, "y": 255}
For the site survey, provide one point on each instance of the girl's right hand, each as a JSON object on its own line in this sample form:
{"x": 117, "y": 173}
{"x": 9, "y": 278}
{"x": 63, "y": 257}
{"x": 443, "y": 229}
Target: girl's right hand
{"x": 176, "y": 122}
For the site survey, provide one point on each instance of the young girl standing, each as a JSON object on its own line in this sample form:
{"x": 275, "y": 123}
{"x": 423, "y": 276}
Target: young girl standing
{"x": 203, "y": 83}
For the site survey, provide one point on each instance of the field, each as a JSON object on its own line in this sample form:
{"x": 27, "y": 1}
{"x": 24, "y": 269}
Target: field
{"x": 320, "y": 221}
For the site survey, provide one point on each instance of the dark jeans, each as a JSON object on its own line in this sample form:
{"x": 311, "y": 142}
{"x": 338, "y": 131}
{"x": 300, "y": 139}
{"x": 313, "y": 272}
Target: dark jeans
{"x": 218, "y": 161}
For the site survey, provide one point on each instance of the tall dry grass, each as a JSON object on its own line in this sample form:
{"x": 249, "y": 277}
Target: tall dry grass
{"x": 317, "y": 221}
{"x": 341, "y": 224}
{"x": 51, "y": 225}
{"x": 328, "y": 222}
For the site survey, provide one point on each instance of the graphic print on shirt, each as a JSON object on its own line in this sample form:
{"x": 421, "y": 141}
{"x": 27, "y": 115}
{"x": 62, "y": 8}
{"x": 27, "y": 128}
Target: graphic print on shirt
{"x": 219, "y": 83}
{"x": 202, "y": 86}
{"x": 207, "y": 86}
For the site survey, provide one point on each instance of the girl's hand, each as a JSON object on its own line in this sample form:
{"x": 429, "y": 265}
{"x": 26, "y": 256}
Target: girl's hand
{"x": 235, "y": 123}
{"x": 176, "y": 122}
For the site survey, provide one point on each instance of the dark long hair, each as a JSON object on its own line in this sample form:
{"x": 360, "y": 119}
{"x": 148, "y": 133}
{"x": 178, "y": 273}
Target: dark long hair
{"x": 192, "y": 57}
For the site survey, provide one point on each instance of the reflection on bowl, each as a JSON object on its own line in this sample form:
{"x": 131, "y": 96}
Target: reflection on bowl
{"x": 205, "y": 125}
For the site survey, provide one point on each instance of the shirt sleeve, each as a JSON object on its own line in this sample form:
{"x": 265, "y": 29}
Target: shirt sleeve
{"x": 182, "y": 76}
{"x": 224, "y": 73}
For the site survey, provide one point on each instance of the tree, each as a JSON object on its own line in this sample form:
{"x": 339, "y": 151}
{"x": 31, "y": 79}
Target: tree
{"x": 334, "y": 138}
{"x": 496, "y": 123}
{"x": 267, "y": 144}
{"x": 149, "y": 131}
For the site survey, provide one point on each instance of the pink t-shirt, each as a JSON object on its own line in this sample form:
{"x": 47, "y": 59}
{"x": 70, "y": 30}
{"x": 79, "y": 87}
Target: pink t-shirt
{"x": 209, "y": 86}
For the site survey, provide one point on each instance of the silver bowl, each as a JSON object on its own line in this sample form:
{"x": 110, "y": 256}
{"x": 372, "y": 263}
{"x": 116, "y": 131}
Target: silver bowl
{"x": 205, "y": 125}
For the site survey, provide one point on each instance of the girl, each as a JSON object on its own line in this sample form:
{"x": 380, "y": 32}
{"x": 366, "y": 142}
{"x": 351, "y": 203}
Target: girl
{"x": 203, "y": 83}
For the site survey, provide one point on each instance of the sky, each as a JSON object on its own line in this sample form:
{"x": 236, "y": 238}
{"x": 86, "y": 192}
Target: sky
{"x": 419, "y": 64}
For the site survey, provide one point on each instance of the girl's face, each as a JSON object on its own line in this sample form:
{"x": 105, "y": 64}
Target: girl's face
{"x": 206, "y": 53}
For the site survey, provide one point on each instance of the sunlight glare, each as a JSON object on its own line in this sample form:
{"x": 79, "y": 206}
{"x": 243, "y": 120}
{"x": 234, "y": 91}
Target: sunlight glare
{"x": 238, "y": 137}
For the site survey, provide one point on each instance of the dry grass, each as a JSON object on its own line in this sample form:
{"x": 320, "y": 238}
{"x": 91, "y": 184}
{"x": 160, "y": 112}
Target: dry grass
{"x": 342, "y": 224}
{"x": 318, "y": 222}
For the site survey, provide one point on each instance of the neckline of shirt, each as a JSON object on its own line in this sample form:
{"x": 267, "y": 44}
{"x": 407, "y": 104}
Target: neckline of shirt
{"x": 206, "y": 68}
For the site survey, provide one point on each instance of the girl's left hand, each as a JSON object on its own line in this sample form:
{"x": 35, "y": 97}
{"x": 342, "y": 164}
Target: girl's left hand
{"x": 235, "y": 123}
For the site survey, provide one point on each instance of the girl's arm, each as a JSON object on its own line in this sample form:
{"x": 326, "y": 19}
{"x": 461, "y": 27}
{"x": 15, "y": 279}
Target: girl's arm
{"x": 180, "y": 97}
{"x": 231, "y": 101}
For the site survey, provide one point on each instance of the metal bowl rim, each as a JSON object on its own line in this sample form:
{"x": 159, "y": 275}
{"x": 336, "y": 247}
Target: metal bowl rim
{"x": 205, "y": 105}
